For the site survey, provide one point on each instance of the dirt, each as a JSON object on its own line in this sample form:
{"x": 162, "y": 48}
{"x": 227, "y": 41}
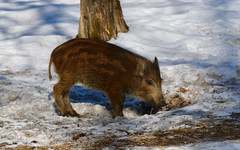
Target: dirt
{"x": 216, "y": 130}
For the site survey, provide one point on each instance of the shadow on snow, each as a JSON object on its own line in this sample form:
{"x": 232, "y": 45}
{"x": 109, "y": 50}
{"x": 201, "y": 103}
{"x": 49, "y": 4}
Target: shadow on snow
{"x": 83, "y": 95}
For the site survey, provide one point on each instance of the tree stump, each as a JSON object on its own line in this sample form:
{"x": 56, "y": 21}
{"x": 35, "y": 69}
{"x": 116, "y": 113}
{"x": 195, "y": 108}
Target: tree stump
{"x": 101, "y": 19}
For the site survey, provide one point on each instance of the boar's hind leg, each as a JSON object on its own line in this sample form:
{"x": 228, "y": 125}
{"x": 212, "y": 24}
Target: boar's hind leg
{"x": 68, "y": 106}
{"x": 58, "y": 96}
{"x": 116, "y": 98}
{"x": 61, "y": 96}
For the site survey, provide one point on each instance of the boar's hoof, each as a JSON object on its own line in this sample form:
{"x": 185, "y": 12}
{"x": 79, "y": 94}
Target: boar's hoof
{"x": 70, "y": 114}
{"x": 74, "y": 115}
{"x": 119, "y": 114}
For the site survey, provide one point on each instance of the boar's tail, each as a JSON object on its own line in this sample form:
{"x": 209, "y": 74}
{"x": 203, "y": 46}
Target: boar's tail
{"x": 49, "y": 69}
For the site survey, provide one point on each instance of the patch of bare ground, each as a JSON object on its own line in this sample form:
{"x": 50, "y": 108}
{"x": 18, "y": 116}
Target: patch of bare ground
{"x": 199, "y": 132}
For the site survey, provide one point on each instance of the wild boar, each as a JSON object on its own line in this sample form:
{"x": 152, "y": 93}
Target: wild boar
{"x": 104, "y": 67}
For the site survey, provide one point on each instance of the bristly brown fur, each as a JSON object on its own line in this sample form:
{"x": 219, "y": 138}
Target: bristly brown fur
{"x": 106, "y": 67}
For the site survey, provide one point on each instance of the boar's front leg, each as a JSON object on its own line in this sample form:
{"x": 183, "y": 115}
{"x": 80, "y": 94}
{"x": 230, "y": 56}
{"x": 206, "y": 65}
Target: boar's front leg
{"x": 61, "y": 96}
{"x": 116, "y": 98}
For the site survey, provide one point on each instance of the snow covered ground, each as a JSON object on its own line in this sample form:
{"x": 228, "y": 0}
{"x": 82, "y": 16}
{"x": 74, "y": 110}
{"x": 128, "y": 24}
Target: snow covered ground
{"x": 197, "y": 43}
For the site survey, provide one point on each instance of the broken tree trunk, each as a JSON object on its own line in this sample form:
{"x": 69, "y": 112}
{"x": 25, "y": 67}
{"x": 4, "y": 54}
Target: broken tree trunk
{"x": 101, "y": 19}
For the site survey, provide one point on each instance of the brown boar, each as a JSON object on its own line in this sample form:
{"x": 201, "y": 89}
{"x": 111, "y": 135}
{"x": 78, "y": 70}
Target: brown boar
{"x": 105, "y": 67}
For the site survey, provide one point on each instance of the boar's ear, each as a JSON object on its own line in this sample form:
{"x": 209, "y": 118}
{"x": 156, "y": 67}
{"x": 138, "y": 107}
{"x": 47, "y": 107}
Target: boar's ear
{"x": 155, "y": 64}
{"x": 140, "y": 68}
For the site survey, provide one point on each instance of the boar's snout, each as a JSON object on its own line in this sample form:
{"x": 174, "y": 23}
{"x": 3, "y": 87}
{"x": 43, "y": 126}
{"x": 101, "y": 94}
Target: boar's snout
{"x": 158, "y": 100}
{"x": 161, "y": 102}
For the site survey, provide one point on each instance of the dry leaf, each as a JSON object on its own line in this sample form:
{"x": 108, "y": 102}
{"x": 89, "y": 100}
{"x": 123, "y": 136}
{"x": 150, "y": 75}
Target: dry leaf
{"x": 183, "y": 90}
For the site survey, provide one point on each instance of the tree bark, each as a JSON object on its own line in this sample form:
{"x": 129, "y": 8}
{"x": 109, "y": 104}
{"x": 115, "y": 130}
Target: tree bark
{"x": 101, "y": 19}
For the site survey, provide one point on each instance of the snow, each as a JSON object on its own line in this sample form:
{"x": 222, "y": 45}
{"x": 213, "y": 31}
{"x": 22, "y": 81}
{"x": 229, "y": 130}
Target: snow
{"x": 197, "y": 43}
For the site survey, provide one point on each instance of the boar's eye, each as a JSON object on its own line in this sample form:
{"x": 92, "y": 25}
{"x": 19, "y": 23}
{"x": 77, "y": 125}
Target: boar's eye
{"x": 149, "y": 82}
